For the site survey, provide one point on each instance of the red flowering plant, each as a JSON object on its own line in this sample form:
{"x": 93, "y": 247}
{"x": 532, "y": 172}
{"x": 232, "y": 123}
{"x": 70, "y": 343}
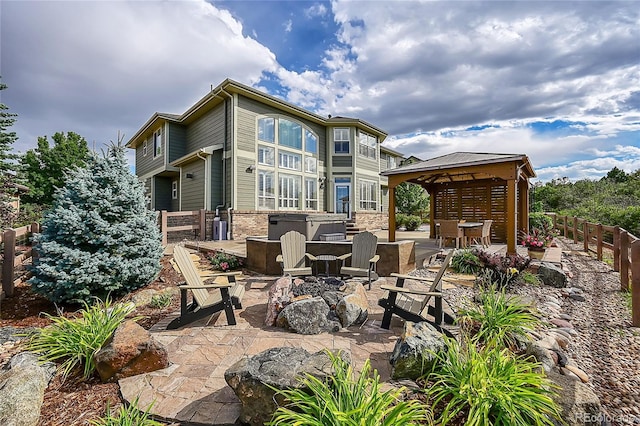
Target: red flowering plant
{"x": 538, "y": 239}
{"x": 225, "y": 262}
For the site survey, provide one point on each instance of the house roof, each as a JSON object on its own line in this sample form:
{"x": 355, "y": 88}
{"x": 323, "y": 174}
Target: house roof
{"x": 459, "y": 166}
{"x": 223, "y": 91}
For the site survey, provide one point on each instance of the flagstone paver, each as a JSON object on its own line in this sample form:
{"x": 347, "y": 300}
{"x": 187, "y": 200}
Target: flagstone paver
{"x": 192, "y": 390}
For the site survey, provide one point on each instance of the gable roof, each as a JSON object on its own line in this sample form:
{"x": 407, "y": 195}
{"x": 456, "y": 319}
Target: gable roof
{"x": 224, "y": 91}
{"x": 462, "y": 166}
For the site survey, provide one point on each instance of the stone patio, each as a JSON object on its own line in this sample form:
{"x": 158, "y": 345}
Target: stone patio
{"x": 192, "y": 391}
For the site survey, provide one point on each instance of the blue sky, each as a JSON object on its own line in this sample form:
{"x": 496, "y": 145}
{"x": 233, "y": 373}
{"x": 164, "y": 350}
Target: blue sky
{"x": 558, "y": 81}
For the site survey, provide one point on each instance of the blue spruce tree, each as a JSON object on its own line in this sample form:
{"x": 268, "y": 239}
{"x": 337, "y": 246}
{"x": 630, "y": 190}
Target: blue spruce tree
{"x": 99, "y": 238}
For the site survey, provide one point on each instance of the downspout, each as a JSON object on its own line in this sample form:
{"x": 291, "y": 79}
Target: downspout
{"x": 224, "y": 163}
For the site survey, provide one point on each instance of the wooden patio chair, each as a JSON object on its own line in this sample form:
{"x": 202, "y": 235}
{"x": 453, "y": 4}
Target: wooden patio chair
{"x": 449, "y": 230}
{"x": 363, "y": 257}
{"x": 293, "y": 259}
{"x": 413, "y": 304}
{"x": 481, "y": 235}
{"x": 227, "y": 293}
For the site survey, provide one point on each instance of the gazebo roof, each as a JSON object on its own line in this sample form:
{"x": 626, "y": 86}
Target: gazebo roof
{"x": 459, "y": 166}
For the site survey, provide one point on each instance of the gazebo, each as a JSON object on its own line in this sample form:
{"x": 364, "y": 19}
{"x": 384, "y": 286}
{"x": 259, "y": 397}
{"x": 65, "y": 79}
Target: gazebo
{"x": 471, "y": 186}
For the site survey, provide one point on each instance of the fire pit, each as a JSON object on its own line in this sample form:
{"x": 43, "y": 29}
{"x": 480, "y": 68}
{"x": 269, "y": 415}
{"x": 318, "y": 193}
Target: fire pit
{"x": 316, "y": 305}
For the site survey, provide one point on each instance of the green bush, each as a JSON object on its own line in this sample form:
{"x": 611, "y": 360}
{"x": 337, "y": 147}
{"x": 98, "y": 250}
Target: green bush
{"x": 412, "y": 222}
{"x": 401, "y": 220}
{"x": 75, "y": 341}
{"x": 540, "y": 221}
{"x": 127, "y": 416}
{"x": 530, "y": 278}
{"x": 466, "y": 261}
{"x": 492, "y": 386}
{"x": 160, "y": 301}
{"x": 225, "y": 262}
{"x": 346, "y": 400}
{"x": 498, "y": 320}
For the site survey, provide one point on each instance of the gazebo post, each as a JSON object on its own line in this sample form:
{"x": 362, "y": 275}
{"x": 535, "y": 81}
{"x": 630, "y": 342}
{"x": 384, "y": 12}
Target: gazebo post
{"x": 511, "y": 216}
{"x": 392, "y": 213}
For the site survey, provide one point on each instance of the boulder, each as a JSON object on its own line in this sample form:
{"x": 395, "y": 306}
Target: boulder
{"x": 552, "y": 275}
{"x": 308, "y": 316}
{"x": 353, "y": 309}
{"x": 542, "y": 353}
{"x": 580, "y": 405}
{"x": 253, "y": 379}
{"x": 130, "y": 351}
{"x": 280, "y": 294}
{"x": 22, "y": 389}
{"x": 416, "y": 350}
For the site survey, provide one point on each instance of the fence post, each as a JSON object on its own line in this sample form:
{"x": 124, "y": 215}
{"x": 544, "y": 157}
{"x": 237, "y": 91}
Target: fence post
{"x": 624, "y": 260}
{"x": 616, "y": 248}
{"x": 203, "y": 224}
{"x": 585, "y": 236}
{"x": 566, "y": 227}
{"x": 163, "y": 226}
{"x": 599, "y": 241}
{"x": 35, "y": 228}
{"x": 555, "y": 221}
{"x": 9, "y": 238}
{"x": 635, "y": 283}
{"x": 575, "y": 230}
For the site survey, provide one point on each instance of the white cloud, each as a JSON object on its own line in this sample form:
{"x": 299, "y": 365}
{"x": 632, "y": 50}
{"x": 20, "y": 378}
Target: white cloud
{"x": 288, "y": 26}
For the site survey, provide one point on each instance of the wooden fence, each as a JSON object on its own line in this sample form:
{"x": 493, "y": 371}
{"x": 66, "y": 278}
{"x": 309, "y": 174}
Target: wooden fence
{"x": 197, "y": 223}
{"x": 12, "y": 259}
{"x": 625, "y": 247}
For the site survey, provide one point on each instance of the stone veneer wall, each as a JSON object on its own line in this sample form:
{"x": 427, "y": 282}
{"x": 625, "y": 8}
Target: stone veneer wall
{"x": 371, "y": 220}
{"x": 250, "y": 223}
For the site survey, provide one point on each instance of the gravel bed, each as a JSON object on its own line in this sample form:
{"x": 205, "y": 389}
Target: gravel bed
{"x": 605, "y": 345}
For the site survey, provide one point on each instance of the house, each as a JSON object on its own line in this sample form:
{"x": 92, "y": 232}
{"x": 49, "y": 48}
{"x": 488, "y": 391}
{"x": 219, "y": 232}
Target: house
{"x": 245, "y": 154}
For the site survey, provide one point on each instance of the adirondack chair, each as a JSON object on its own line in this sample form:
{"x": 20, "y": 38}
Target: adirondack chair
{"x": 293, "y": 259}
{"x": 226, "y": 294}
{"x": 413, "y": 304}
{"x": 481, "y": 235}
{"x": 363, "y": 257}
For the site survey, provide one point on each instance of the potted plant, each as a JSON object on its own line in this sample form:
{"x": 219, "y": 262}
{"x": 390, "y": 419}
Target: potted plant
{"x": 536, "y": 242}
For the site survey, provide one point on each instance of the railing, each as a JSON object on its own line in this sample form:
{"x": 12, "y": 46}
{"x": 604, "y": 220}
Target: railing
{"x": 625, "y": 246}
{"x": 10, "y": 239}
{"x": 198, "y": 223}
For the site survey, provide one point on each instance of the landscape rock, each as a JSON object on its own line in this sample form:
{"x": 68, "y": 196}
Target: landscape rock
{"x": 578, "y": 372}
{"x": 309, "y": 316}
{"x": 580, "y": 405}
{"x": 353, "y": 309}
{"x": 22, "y": 389}
{"x": 130, "y": 351}
{"x": 252, "y": 378}
{"x": 552, "y": 275}
{"x": 560, "y": 323}
{"x": 416, "y": 350}
{"x": 542, "y": 355}
{"x": 280, "y": 294}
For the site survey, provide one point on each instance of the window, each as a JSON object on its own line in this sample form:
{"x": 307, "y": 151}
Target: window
{"x": 174, "y": 190}
{"x": 290, "y": 134}
{"x": 266, "y": 129}
{"x": 368, "y": 195}
{"x": 289, "y": 160}
{"x": 310, "y": 142}
{"x": 144, "y": 148}
{"x": 310, "y": 164}
{"x": 157, "y": 143}
{"x": 341, "y": 141}
{"x": 289, "y": 191}
{"x": 392, "y": 162}
{"x": 266, "y": 155}
{"x": 311, "y": 194}
{"x": 367, "y": 145}
{"x": 266, "y": 191}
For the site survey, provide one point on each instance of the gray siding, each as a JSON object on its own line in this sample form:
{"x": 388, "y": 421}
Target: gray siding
{"x": 193, "y": 189}
{"x": 246, "y": 185}
{"x": 207, "y": 130}
{"x": 342, "y": 161}
{"x": 216, "y": 179}
{"x": 177, "y": 141}
{"x": 146, "y": 163}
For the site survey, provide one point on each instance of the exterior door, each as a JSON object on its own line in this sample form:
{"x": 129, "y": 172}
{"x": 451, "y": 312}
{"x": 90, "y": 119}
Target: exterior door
{"x": 343, "y": 198}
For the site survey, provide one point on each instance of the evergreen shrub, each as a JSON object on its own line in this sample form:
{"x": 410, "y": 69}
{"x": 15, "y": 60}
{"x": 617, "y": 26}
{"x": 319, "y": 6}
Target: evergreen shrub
{"x": 99, "y": 238}
{"x": 412, "y": 222}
